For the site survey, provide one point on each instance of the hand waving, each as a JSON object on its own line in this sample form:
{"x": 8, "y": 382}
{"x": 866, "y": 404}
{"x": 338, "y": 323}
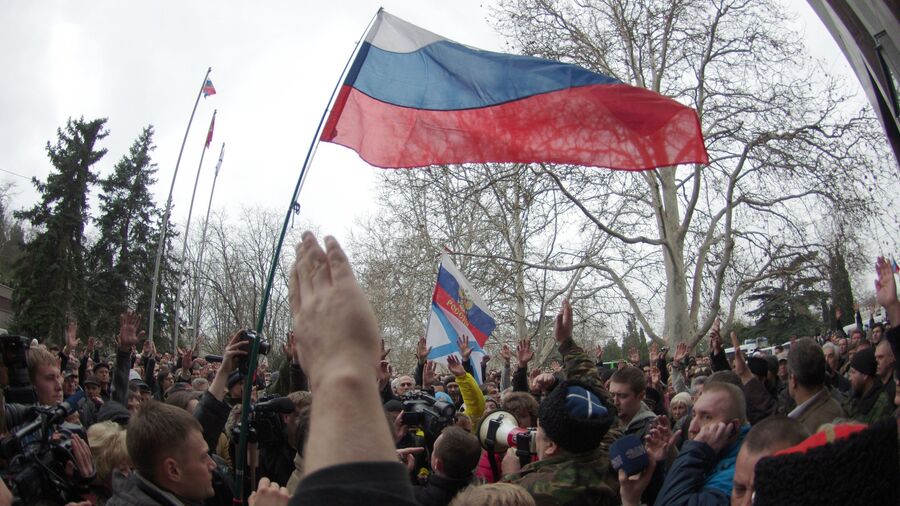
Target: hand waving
{"x": 422, "y": 350}
{"x": 464, "y": 350}
{"x": 129, "y": 321}
{"x": 455, "y": 366}
{"x": 524, "y": 353}
{"x": 886, "y": 287}
{"x": 562, "y": 330}
{"x": 681, "y": 352}
{"x": 72, "y": 340}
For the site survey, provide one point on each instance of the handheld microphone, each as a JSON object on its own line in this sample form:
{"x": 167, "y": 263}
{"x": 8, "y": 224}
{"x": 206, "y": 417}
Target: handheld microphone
{"x": 629, "y": 454}
{"x": 66, "y": 408}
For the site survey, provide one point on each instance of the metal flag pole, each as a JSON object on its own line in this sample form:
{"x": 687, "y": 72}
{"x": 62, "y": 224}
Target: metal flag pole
{"x": 187, "y": 228}
{"x": 165, "y": 224}
{"x": 199, "y": 263}
{"x": 254, "y": 348}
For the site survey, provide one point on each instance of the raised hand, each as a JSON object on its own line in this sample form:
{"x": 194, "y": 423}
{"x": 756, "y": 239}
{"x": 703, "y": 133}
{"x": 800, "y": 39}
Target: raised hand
{"x": 235, "y": 349}
{"x": 654, "y": 353}
{"x": 385, "y": 371}
{"x": 455, "y": 366}
{"x": 333, "y": 320}
{"x": 464, "y": 350}
{"x": 886, "y": 288}
{"x": 633, "y": 356}
{"x": 659, "y": 439}
{"x": 83, "y": 464}
{"x": 429, "y": 374}
{"x": 599, "y": 353}
{"x": 422, "y": 350}
{"x": 562, "y": 329}
{"x": 129, "y": 321}
{"x": 72, "y": 340}
{"x": 555, "y": 366}
{"x": 187, "y": 359}
{"x": 505, "y": 354}
{"x": 524, "y": 353}
{"x": 681, "y": 352}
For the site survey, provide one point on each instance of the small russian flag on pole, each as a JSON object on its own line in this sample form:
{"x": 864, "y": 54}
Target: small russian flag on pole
{"x": 208, "y": 88}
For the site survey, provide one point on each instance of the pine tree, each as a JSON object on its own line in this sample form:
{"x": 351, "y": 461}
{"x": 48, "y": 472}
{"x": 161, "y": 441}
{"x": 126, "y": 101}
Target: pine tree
{"x": 841, "y": 291}
{"x": 784, "y": 307}
{"x": 50, "y": 276}
{"x": 126, "y": 225}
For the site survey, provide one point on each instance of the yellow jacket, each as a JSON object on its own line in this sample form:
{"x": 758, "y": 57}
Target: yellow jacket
{"x": 472, "y": 397}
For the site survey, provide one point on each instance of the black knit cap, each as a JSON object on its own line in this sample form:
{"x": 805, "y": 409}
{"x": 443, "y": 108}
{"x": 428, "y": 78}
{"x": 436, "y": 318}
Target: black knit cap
{"x": 864, "y": 361}
{"x": 574, "y": 417}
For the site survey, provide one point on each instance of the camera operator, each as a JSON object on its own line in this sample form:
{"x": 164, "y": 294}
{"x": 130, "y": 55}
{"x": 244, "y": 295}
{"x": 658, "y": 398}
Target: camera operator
{"x": 43, "y": 371}
{"x": 408, "y": 437}
{"x": 574, "y": 419}
{"x": 453, "y": 460}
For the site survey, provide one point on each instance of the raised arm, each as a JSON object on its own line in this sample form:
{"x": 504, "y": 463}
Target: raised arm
{"x": 338, "y": 339}
{"x": 740, "y": 365}
{"x": 127, "y": 338}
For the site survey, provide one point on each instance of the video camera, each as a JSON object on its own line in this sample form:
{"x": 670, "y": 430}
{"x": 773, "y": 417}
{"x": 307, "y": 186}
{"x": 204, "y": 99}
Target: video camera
{"x": 37, "y": 453}
{"x": 424, "y": 411}
{"x": 500, "y": 430}
{"x": 266, "y": 427}
{"x": 15, "y": 358}
{"x": 250, "y": 336}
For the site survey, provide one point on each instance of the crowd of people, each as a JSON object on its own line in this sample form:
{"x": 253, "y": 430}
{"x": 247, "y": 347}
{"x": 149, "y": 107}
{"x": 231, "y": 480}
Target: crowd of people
{"x": 813, "y": 422}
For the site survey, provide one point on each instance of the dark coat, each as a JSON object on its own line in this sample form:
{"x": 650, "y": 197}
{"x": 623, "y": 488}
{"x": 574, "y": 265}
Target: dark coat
{"x": 440, "y": 490}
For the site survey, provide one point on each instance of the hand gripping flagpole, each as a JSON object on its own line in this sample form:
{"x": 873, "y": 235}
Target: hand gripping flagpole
{"x": 260, "y": 321}
{"x": 165, "y": 224}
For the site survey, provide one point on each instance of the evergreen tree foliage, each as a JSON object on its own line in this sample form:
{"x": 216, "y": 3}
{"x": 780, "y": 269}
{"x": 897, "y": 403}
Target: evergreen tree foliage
{"x": 12, "y": 238}
{"x": 50, "y": 277}
{"x": 634, "y": 338}
{"x": 788, "y": 306}
{"x": 841, "y": 291}
{"x": 612, "y": 351}
{"x": 119, "y": 260}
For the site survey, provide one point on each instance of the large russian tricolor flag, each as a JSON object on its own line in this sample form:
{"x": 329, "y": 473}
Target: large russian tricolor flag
{"x": 457, "y": 310}
{"x": 413, "y": 98}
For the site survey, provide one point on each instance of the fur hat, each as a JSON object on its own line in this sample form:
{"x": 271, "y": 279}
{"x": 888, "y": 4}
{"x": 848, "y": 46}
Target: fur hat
{"x": 574, "y": 417}
{"x": 844, "y": 464}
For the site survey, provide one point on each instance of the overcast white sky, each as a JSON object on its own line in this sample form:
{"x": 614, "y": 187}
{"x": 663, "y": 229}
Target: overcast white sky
{"x": 274, "y": 64}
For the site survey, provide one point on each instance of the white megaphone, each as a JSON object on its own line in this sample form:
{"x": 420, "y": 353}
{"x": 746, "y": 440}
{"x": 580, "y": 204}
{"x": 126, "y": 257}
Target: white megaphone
{"x": 499, "y": 431}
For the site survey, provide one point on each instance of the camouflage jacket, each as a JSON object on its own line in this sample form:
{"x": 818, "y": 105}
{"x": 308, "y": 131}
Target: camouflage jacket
{"x": 568, "y": 480}
{"x": 580, "y": 367}
{"x": 584, "y": 478}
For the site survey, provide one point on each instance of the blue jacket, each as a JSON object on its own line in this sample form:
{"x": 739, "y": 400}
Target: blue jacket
{"x": 699, "y": 477}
